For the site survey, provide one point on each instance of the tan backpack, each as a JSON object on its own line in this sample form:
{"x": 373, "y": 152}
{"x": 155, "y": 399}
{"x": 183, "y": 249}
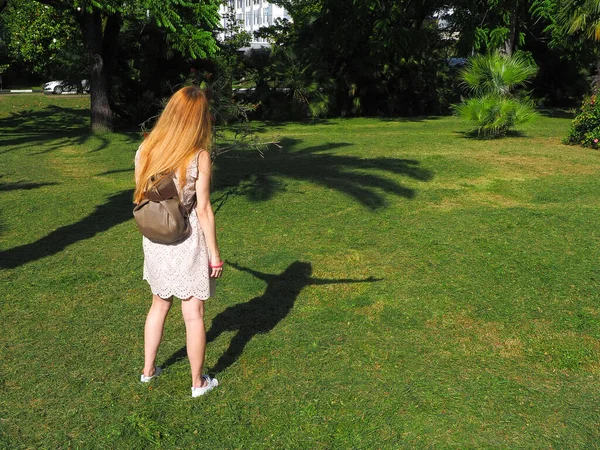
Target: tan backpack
{"x": 160, "y": 216}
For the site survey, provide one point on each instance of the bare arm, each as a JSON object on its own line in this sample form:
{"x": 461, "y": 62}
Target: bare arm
{"x": 206, "y": 217}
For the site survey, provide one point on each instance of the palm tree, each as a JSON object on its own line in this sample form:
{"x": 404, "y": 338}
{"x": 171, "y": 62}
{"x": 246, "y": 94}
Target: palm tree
{"x": 493, "y": 80}
{"x": 496, "y": 73}
{"x": 577, "y": 16}
{"x": 582, "y": 16}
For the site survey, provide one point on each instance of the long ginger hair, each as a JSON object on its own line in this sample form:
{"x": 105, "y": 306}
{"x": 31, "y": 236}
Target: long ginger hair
{"x": 183, "y": 129}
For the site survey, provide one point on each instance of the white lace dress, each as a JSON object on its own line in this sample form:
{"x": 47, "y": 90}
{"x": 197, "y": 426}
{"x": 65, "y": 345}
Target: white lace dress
{"x": 181, "y": 269}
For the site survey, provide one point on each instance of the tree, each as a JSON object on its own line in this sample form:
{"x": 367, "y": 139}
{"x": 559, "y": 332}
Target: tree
{"x": 489, "y": 25}
{"x": 378, "y": 56}
{"x": 582, "y": 17}
{"x": 35, "y": 34}
{"x": 527, "y": 28}
{"x": 494, "y": 108}
{"x": 565, "y": 60}
{"x": 188, "y": 25}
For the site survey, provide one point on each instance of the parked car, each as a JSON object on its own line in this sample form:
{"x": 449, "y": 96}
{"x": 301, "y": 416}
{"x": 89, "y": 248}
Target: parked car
{"x": 457, "y": 62}
{"x": 66, "y": 87}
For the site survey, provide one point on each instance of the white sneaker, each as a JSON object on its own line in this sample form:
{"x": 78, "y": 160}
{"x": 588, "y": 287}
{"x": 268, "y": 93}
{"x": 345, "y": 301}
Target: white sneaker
{"x": 157, "y": 372}
{"x": 211, "y": 383}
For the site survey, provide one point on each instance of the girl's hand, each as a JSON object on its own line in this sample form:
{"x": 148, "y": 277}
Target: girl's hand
{"x": 216, "y": 268}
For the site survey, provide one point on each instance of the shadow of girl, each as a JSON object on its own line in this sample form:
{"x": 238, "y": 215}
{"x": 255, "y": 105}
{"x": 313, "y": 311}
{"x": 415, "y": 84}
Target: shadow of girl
{"x": 261, "y": 314}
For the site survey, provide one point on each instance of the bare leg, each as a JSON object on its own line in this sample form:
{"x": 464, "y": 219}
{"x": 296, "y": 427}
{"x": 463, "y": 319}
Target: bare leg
{"x": 153, "y": 331}
{"x": 193, "y": 316}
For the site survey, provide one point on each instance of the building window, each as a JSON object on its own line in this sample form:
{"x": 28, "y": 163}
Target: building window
{"x": 256, "y": 2}
{"x": 248, "y": 18}
{"x": 268, "y": 15}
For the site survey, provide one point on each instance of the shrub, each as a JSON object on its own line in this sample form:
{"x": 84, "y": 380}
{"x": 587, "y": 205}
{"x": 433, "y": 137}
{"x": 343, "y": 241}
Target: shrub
{"x": 585, "y": 128}
{"x": 494, "y": 81}
{"x": 494, "y": 115}
{"x": 496, "y": 74}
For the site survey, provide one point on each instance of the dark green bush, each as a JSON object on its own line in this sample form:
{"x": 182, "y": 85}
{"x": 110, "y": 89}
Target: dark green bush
{"x": 585, "y": 128}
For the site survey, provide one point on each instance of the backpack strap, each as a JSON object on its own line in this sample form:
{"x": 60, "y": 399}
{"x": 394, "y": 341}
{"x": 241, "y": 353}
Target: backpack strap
{"x": 192, "y": 205}
{"x": 162, "y": 188}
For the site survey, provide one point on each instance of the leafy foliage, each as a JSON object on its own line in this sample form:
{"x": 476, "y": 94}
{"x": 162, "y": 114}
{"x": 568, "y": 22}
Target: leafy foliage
{"x": 103, "y": 36}
{"x": 585, "y": 128}
{"x": 488, "y": 25}
{"x": 188, "y": 24}
{"x": 496, "y": 74}
{"x": 581, "y": 16}
{"x": 530, "y": 28}
{"x": 231, "y": 118}
{"x": 41, "y": 37}
{"x": 376, "y": 58}
{"x": 229, "y": 64}
{"x": 285, "y": 88}
{"x": 493, "y": 79}
{"x": 494, "y": 115}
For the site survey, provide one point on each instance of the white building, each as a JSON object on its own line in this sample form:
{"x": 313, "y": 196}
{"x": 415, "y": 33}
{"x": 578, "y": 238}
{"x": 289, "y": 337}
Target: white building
{"x": 252, "y": 15}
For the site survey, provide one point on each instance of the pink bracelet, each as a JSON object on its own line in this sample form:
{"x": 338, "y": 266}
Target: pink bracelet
{"x": 216, "y": 266}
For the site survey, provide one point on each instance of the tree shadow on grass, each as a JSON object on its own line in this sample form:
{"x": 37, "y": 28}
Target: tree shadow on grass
{"x": 115, "y": 210}
{"x": 363, "y": 179}
{"x": 261, "y": 314}
{"x": 21, "y": 185}
{"x": 473, "y": 134}
{"x": 410, "y": 119}
{"x": 52, "y": 127}
{"x": 558, "y": 113}
{"x": 46, "y": 141}
{"x": 49, "y": 119}
{"x": 266, "y": 126}
{"x": 111, "y": 172}
{"x": 247, "y": 173}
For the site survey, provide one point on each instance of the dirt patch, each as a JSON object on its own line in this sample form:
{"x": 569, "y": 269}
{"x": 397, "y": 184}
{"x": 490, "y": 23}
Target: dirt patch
{"x": 477, "y": 198}
{"x": 71, "y": 164}
{"x": 536, "y": 166}
{"x": 473, "y": 336}
{"x": 373, "y": 311}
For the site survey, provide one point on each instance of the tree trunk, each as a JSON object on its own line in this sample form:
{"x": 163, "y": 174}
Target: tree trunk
{"x": 510, "y": 43}
{"x": 101, "y": 112}
{"x": 110, "y": 39}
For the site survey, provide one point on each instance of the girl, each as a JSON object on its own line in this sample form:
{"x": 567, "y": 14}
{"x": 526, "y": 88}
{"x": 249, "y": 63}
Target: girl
{"x": 179, "y": 142}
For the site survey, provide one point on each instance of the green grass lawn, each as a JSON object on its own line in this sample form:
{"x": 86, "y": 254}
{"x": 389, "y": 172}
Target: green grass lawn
{"x": 391, "y": 284}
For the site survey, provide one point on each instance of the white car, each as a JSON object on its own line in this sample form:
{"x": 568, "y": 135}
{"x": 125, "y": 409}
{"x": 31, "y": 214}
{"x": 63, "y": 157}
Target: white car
{"x": 65, "y": 87}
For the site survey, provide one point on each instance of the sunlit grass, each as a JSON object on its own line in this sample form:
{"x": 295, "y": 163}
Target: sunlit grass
{"x": 391, "y": 284}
